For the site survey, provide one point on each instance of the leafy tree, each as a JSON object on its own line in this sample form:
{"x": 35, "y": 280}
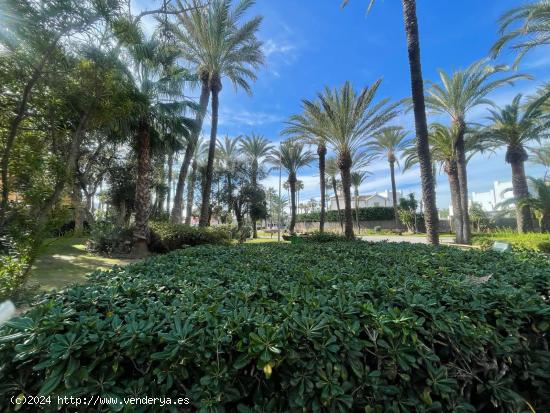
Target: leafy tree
{"x": 539, "y": 202}
{"x": 332, "y": 172}
{"x": 513, "y": 127}
{"x": 456, "y": 96}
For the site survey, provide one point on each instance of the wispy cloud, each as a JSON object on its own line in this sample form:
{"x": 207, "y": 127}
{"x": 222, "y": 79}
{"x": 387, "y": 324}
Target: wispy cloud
{"x": 229, "y": 117}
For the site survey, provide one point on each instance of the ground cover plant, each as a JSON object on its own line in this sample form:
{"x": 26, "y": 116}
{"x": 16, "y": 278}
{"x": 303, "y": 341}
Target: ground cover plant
{"x": 316, "y": 326}
{"x": 528, "y": 241}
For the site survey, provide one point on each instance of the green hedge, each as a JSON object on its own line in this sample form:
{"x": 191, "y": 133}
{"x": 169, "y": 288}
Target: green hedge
{"x": 313, "y": 327}
{"x": 167, "y": 237}
{"x": 365, "y": 214}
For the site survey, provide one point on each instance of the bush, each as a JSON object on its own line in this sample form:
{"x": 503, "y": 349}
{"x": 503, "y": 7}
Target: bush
{"x": 532, "y": 241}
{"x": 108, "y": 239}
{"x": 323, "y": 237}
{"x": 167, "y": 237}
{"x": 349, "y": 326}
{"x": 365, "y": 214}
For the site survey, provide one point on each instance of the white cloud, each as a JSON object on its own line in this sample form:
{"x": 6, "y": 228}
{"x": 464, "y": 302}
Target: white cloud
{"x": 244, "y": 117}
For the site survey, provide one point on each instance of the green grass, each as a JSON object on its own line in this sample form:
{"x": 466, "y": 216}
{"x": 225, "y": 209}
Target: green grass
{"x": 529, "y": 241}
{"x": 64, "y": 261}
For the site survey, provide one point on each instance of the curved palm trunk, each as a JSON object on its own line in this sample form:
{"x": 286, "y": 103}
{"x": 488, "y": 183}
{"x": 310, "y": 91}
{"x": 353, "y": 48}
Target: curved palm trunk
{"x": 292, "y": 185}
{"x": 169, "y": 192}
{"x": 394, "y": 193}
{"x": 521, "y": 190}
{"x": 422, "y": 145}
{"x": 207, "y": 188}
{"x": 454, "y": 186}
{"x": 463, "y": 182}
{"x": 175, "y": 216}
{"x": 322, "y": 152}
{"x": 143, "y": 188}
{"x": 335, "y": 189}
{"x": 191, "y": 193}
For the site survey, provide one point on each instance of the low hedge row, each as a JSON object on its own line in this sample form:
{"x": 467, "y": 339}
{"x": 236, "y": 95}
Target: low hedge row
{"x": 529, "y": 241}
{"x": 365, "y": 214}
{"x": 167, "y": 237}
{"x": 343, "y": 326}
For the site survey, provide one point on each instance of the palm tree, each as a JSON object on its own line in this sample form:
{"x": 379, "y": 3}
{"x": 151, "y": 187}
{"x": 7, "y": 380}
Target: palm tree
{"x": 217, "y": 45}
{"x": 443, "y": 152}
{"x": 347, "y": 119}
{"x": 255, "y": 148}
{"x": 513, "y": 126}
{"x": 533, "y": 31}
{"x": 457, "y": 95}
{"x": 541, "y": 156}
{"x": 291, "y": 156}
{"x": 539, "y": 203}
{"x": 421, "y": 124}
{"x": 198, "y": 156}
{"x": 357, "y": 178}
{"x": 300, "y": 127}
{"x": 387, "y": 143}
{"x": 332, "y": 172}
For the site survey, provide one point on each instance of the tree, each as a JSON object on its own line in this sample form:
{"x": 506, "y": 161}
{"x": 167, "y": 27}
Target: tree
{"x": 540, "y": 202}
{"x": 357, "y": 178}
{"x": 387, "y": 144}
{"x": 199, "y": 155}
{"x": 332, "y": 172}
{"x": 407, "y": 212}
{"x": 291, "y": 156}
{"x": 215, "y": 42}
{"x": 541, "y": 156}
{"x": 347, "y": 118}
{"x": 533, "y": 30}
{"x": 421, "y": 124}
{"x": 255, "y": 149}
{"x": 513, "y": 127}
{"x": 301, "y": 127}
{"x": 457, "y": 95}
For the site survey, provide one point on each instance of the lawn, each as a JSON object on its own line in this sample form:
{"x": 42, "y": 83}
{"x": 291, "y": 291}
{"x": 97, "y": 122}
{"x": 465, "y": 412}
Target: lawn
{"x": 63, "y": 261}
{"x": 531, "y": 241}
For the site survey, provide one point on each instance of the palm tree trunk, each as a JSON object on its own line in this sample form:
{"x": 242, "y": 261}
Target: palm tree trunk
{"x": 143, "y": 188}
{"x": 175, "y": 216}
{"x": 394, "y": 193}
{"x": 254, "y": 185}
{"x": 454, "y": 186}
{"x": 292, "y": 185}
{"x": 205, "y": 204}
{"x": 422, "y": 145}
{"x": 322, "y": 152}
{"x": 463, "y": 182}
{"x": 521, "y": 190}
{"x": 357, "y": 210}
{"x": 191, "y": 193}
{"x": 169, "y": 192}
{"x": 335, "y": 189}
{"x": 545, "y": 223}
{"x": 344, "y": 164}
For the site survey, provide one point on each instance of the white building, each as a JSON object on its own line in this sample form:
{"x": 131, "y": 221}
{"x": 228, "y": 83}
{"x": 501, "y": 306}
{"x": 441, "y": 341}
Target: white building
{"x": 379, "y": 199}
{"x": 490, "y": 201}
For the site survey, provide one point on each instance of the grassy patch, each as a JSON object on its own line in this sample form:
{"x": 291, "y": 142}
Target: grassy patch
{"x": 64, "y": 261}
{"x": 530, "y": 241}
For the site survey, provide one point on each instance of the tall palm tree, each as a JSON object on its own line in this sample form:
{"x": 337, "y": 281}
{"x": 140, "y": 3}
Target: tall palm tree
{"x": 199, "y": 154}
{"x": 332, "y": 172}
{"x": 228, "y": 158}
{"x": 347, "y": 119}
{"x": 421, "y": 124}
{"x": 255, "y": 148}
{"x": 533, "y": 30}
{"x": 218, "y": 45}
{"x": 513, "y": 126}
{"x": 387, "y": 144}
{"x": 300, "y": 126}
{"x": 443, "y": 152}
{"x": 457, "y": 95}
{"x": 291, "y": 156}
{"x": 357, "y": 178}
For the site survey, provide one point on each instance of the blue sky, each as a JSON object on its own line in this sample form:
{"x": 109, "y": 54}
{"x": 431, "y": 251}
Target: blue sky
{"x": 310, "y": 44}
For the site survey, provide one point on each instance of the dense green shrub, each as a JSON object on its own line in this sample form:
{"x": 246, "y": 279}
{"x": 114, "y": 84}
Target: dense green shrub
{"x": 314, "y": 327}
{"x": 167, "y": 237}
{"x": 109, "y": 239}
{"x": 365, "y": 214}
{"x": 533, "y": 241}
{"x": 323, "y": 237}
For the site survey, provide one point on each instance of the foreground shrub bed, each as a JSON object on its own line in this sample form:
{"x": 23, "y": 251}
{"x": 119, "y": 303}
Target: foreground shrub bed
{"x": 307, "y": 327}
